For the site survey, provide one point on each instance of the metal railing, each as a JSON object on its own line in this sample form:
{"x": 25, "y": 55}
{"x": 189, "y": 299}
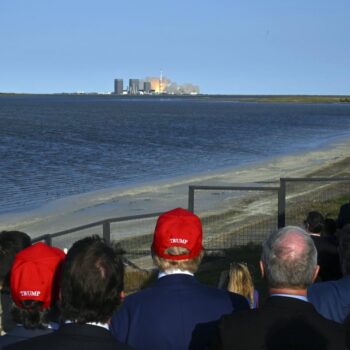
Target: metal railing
{"x": 235, "y": 219}
{"x": 311, "y": 196}
{"x": 104, "y": 224}
{"x": 193, "y": 188}
{"x": 222, "y": 230}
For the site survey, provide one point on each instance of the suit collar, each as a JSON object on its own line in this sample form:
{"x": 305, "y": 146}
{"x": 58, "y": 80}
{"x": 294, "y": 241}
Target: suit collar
{"x": 176, "y": 279}
{"x": 288, "y": 303}
{"x": 87, "y": 330}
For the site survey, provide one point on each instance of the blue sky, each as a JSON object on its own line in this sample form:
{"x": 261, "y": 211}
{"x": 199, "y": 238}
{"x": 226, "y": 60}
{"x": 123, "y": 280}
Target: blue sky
{"x": 225, "y": 47}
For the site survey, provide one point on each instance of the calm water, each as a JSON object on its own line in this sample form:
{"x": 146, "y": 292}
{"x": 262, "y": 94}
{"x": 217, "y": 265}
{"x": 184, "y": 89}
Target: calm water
{"x": 55, "y": 146}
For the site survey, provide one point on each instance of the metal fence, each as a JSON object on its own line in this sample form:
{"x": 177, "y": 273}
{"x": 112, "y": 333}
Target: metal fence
{"x": 231, "y": 215}
{"x": 132, "y": 233}
{"x": 301, "y": 195}
{"x": 240, "y": 214}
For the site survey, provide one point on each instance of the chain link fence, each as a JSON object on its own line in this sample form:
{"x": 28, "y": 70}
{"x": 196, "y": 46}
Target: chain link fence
{"x": 242, "y": 215}
{"x": 231, "y": 216}
{"x": 302, "y": 195}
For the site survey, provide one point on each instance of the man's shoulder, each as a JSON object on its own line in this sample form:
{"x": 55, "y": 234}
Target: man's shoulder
{"x": 319, "y": 290}
{"x": 345, "y": 206}
{"x": 278, "y": 308}
{"x": 221, "y": 294}
{"x": 188, "y": 285}
{"x": 89, "y": 337}
{"x": 280, "y": 318}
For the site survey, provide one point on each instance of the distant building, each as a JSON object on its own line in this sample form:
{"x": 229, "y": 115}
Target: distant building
{"x": 134, "y": 86}
{"x": 118, "y": 86}
{"x": 147, "y": 87}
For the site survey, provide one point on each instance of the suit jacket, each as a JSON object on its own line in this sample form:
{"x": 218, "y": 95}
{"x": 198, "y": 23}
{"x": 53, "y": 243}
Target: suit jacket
{"x": 177, "y": 312}
{"x": 327, "y": 258}
{"x": 7, "y": 322}
{"x": 344, "y": 215}
{"x": 19, "y": 333}
{"x": 282, "y": 323}
{"x": 331, "y": 299}
{"x": 72, "y": 336}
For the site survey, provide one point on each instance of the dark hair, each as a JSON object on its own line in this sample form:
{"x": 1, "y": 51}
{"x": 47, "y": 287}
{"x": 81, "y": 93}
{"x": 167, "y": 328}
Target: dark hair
{"x": 91, "y": 282}
{"x": 11, "y": 242}
{"x": 314, "y": 222}
{"x": 344, "y": 249}
{"x": 31, "y": 315}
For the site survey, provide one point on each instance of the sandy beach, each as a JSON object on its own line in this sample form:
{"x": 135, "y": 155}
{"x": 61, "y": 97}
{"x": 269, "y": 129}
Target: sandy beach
{"x": 161, "y": 196}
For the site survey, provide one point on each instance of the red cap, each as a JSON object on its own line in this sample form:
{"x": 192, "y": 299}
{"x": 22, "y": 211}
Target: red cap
{"x": 178, "y": 228}
{"x": 35, "y": 274}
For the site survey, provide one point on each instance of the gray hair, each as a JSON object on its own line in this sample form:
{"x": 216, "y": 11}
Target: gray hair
{"x": 184, "y": 264}
{"x": 290, "y": 258}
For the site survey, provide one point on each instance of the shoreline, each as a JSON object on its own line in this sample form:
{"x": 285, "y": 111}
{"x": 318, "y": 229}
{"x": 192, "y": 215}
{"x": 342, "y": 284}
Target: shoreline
{"x": 163, "y": 195}
{"x": 266, "y": 98}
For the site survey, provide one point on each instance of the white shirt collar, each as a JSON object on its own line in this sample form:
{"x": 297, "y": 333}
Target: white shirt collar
{"x": 173, "y": 272}
{"x": 300, "y": 297}
{"x": 98, "y": 324}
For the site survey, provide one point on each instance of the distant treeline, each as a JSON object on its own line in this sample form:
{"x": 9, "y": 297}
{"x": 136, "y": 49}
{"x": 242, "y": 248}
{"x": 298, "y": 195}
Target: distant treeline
{"x": 234, "y": 98}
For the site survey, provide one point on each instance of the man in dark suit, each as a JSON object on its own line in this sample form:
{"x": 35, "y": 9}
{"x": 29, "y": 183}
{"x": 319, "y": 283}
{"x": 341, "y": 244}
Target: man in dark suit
{"x": 177, "y": 312}
{"x": 91, "y": 289}
{"x": 344, "y": 215}
{"x": 287, "y": 320}
{"x": 332, "y": 298}
{"x": 327, "y": 250}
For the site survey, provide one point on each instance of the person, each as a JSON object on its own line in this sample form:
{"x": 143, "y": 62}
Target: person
{"x": 91, "y": 290}
{"x": 344, "y": 215}
{"x": 11, "y": 242}
{"x": 287, "y": 320}
{"x": 34, "y": 289}
{"x": 327, "y": 251}
{"x": 330, "y": 230}
{"x": 240, "y": 281}
{"x": 332, "y": 298}
{"x": 177, "y": 312}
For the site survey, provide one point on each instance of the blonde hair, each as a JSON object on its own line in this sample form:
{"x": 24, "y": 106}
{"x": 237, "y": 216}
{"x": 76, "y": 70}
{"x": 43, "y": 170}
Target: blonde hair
{"x": 240, "y": 281}
{"x": 184, "y": 264}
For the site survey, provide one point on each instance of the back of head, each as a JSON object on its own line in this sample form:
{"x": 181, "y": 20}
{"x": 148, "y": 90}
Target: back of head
{"x": 92, "y": 281}
{"x": 344, "y": 249}
{"x": 11, "y": 242}
{"x": 289, "y": 257}
{"x": 35, "y": 284}
{"x": 177, "y": 241}
{"x": 314, "y": 222}
{"x": 240, "y": 281}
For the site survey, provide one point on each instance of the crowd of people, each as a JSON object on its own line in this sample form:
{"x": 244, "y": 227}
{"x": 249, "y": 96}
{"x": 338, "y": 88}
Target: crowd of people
{"x": 53, "y": 300}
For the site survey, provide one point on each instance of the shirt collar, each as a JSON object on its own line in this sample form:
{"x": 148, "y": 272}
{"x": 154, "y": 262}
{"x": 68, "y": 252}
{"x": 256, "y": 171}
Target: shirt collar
{"x": 300, "y": 297}
{"x": 173, "y": 272}
{"x": 98, "y": 324}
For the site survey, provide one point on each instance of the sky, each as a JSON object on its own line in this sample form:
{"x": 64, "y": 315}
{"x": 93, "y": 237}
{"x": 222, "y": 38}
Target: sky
{"x": 223, "y": 46}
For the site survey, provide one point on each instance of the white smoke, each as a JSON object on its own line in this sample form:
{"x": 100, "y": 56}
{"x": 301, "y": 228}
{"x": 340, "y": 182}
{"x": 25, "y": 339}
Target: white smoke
{"x": 171, "y": 87}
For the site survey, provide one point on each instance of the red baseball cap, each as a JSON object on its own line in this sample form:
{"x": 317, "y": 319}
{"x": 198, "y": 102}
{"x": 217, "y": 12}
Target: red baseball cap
{"x": 178, "y": 228}
{"x": 35, "y": 274}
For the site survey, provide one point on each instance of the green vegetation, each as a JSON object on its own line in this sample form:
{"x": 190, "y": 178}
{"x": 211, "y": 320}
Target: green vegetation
{"x": 281, "y": 98}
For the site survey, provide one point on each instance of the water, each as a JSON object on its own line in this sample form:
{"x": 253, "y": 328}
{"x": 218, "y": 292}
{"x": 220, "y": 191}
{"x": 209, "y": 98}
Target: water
{"x": 55, "y": 146}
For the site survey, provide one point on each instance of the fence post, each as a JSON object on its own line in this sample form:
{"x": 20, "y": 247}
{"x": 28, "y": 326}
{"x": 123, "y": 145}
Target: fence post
{"x": 191, "y": 198}
{"x": 107, "y": 232}
{"x": 282, "y": 204}
{"x": 48, "y": 240}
